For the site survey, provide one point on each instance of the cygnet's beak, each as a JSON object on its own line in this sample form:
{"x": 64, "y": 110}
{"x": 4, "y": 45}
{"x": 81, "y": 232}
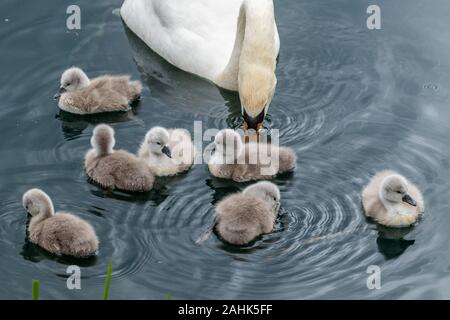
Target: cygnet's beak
{"x": 407, "y": 198}
{"x": 58, "y": 94}
{"x": 166, "y": 151}
{"x": 255, "y": 123}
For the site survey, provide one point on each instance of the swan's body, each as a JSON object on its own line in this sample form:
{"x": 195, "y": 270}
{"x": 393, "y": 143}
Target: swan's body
{"x": 115, "y": 169}
{"x": 252, "y": 161}
{"x": 60, "y": 233}
{"x": 242, "y": 217}
{"x": 233, "y": 43}
{"x": 391, "y": 200}
{"x": 80, "y": 95}
{"x": 167, "y": 152}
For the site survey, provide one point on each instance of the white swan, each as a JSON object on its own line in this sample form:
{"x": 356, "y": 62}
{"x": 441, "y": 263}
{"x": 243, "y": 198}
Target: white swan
{"x": 233, "y": 43}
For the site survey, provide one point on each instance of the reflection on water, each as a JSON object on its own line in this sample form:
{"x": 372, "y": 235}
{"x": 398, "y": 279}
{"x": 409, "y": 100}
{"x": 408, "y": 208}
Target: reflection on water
{"x": 350, "y": 102}
{"x": 34, "y": 253}
{"x": 73, "y": 125}
{"x": 391, "y": 242}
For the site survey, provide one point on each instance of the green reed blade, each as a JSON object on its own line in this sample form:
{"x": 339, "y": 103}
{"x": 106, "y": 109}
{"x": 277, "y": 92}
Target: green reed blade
{"x": 35, "y": 289}
{"x": 108, "y": 281}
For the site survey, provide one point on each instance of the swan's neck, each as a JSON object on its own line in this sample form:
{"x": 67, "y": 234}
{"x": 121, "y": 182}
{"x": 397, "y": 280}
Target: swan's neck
{"x": 254, "y": 45}
{"x": 46, "y": 210}
{"x": 84, "y": 81}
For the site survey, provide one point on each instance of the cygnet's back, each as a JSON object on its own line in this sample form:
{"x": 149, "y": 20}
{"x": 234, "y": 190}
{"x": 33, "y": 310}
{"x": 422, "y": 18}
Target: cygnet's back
{"x": 64, "y": 233}
{"x": 115, "y": 169}
{"x": 241, "y": 162}
{"x": 242, "y": 218}
{"x": 183, "y": 150}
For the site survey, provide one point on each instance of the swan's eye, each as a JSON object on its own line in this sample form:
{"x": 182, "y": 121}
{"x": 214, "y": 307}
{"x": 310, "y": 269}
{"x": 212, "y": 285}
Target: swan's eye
{"x": 158, "y": 143}
{"x": 399, "y": 192}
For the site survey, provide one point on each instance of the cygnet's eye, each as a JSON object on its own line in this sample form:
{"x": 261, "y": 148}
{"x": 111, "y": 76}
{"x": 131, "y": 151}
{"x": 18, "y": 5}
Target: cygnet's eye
{"x": 399, "y": 192}
{"x": 158, "y": 143}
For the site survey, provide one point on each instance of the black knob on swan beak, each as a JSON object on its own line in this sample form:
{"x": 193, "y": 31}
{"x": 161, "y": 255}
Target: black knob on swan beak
{"x": 255, "y": 123}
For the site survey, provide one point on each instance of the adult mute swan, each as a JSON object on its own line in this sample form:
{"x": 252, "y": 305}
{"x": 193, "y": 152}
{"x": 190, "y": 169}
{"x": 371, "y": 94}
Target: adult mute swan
{"x": 233, "y": 43}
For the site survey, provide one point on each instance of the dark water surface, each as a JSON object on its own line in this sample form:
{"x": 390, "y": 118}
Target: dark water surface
{"x": 349, "y": 100}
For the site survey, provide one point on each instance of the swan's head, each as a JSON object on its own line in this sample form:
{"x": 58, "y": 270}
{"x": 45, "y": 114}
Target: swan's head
{"x": 267, "y": 191}
{"x": 72, "y": 79}
{"x": 395, "y": 189}
{"x": 228, "y": 145}
{"x": 157, "y": 139}
{"x": 102, "y": 139}
{"x": 256, "y": 90}
{"x": 36, "y": 201}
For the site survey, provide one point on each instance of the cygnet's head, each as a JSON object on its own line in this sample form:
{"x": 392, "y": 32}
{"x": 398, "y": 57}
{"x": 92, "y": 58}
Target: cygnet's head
{"x": 157, "y": 139}
{"x": 256, "y": 90}
{"x": 265, "y": 190}
{"x": 102, "y": 139}
{"x": 72, "y": 79}
{"x": 36, "y": 201}
{"x": 228, "y": 144}
{"x": 395, "y": 189}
